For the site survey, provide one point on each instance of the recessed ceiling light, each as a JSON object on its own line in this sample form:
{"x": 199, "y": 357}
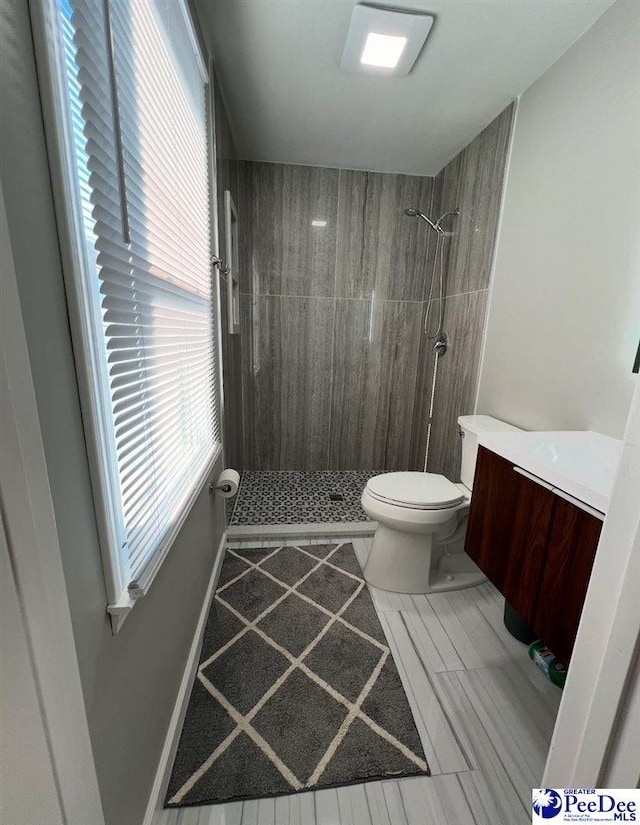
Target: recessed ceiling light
{"x": 383, "y": 50}
{"x": 384, "y": 41}
{"x": 318, "y": 223}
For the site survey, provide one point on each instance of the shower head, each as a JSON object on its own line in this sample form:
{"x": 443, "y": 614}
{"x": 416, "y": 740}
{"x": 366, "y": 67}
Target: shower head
{"x": 453, "y": 214}
{"x": 416, "y": 213}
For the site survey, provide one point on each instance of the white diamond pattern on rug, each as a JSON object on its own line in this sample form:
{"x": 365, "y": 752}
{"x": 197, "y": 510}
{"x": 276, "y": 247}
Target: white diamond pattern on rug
{"x": 309, "y": 699}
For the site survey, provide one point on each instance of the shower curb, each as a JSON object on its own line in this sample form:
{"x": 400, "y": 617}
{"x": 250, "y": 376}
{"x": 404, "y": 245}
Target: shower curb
{"x": 342, "y": 528}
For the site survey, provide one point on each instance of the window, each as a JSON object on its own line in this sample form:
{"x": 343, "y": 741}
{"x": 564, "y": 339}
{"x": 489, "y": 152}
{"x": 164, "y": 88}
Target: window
{"x": 130, "y": 111}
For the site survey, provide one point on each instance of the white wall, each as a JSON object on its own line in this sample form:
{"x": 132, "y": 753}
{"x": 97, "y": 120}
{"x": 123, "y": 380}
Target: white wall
{"x": 564, "y": 317}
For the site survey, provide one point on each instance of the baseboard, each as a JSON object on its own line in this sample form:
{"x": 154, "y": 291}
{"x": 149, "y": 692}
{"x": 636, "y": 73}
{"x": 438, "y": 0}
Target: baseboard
{"x": 336, "y": 528}
{"x": 154, "y": 806}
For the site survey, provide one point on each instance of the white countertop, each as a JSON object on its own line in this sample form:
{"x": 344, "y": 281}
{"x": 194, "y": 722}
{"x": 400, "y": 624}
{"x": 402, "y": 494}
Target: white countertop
{"x": 581, "y": 463}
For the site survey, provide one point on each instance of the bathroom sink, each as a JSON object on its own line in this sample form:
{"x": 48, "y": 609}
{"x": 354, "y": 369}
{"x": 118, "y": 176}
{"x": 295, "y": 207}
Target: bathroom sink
{"x": 581, "y": 463}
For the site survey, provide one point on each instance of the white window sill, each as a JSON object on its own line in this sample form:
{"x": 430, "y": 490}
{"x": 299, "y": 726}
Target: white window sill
{"x": 120, "y": 609}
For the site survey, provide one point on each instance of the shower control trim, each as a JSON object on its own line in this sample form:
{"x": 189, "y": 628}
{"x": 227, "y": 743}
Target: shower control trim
{"x": 216, "y": 261}
{"x": 441, "y": 345}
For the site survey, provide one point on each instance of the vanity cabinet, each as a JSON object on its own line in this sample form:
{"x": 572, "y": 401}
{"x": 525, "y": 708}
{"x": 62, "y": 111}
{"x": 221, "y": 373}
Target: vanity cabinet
{"x": 571, "y": 548}
{"x": 536, "y": 548}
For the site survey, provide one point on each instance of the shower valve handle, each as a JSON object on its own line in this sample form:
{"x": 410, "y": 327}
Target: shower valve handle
{"x": 441, "y": 345}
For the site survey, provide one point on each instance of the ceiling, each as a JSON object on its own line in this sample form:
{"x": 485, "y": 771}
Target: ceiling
{"x": 289, "y": 101}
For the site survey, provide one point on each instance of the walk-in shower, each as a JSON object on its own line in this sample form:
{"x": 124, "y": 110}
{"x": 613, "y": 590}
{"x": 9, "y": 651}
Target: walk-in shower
{"x": 438, "y": 335}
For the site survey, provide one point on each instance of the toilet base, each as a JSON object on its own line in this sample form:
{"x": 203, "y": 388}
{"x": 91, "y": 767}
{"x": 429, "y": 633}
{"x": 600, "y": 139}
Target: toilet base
{"x": 414, "y": 563}
{"x": 400, "y": 562}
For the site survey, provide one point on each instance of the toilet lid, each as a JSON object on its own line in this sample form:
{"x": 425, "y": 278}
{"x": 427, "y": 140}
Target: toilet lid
{"x": 422, "y": 491}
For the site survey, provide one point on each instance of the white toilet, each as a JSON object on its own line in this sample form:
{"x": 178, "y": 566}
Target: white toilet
{"x": 422, "y": 517}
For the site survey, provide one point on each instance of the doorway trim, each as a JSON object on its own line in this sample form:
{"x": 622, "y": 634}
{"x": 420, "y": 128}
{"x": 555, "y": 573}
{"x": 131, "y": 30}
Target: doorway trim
{"x": 600, "y": 704}
{"x": 36, "y": 563}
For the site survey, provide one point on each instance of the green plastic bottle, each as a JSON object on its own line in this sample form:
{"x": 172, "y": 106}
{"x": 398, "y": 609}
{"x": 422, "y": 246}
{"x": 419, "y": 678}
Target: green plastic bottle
{"x": 553, "y": 669}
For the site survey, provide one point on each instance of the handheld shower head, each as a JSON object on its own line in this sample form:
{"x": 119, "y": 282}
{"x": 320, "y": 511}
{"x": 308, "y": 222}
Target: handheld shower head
{"x": 416, "y": 213}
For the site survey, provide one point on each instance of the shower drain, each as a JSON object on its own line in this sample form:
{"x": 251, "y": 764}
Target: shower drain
{"x": 336, "y": 497}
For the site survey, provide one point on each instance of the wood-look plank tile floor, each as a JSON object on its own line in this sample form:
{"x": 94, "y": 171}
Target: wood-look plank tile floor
{"x": 484, "y": 712}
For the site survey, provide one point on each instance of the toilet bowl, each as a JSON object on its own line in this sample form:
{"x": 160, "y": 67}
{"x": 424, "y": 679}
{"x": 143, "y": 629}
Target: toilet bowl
{"x": 421, "y": 519}
{"x": 418, "y": 546}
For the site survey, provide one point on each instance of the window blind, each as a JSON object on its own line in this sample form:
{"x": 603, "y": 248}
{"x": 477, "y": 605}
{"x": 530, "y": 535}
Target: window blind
{"x": 137, "y": 106}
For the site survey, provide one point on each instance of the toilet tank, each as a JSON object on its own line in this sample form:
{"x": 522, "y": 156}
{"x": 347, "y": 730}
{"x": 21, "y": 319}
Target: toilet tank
{"x": 471, "y": 426}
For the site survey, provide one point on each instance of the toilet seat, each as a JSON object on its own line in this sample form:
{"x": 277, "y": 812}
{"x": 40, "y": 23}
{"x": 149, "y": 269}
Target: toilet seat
{"x": 415, "y": 491}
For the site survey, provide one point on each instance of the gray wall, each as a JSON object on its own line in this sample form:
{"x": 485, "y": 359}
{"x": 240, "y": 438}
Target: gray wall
{"x": 130, "y": 680}
{"x": 565, "y": 306}
{"x": 331, "y": 316}
{"x": 473, "y": 181}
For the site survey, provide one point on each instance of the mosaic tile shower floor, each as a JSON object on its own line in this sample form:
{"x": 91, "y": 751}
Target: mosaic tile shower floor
{"x": 292, "y": 497}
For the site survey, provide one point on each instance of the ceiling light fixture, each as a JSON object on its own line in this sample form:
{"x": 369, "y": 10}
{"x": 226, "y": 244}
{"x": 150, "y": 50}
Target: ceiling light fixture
{"x": 383, "y": 50}
{"x": 384, "y": 41}
{"x": 317, "y": 222}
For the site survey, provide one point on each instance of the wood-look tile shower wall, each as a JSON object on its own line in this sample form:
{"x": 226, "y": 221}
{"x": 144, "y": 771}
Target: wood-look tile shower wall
{"x": 232, "y": 345}
{"x": 334, "y": 313}
{"x": 473, "y": 181}
{"x": 333, "y": 366}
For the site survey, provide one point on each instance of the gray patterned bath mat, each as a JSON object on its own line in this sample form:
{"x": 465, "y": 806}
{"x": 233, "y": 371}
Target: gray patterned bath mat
{"x": 296, "y": 688}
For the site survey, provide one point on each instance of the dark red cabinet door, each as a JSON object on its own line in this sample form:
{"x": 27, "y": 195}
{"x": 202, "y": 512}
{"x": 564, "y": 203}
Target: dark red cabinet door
{"x": 493, "y": 506}
{"x": 508, "y": 529}
{"x": 571, "y": 549}
{"x": 536, "y": 547}
{"x": 529, "y": 538}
